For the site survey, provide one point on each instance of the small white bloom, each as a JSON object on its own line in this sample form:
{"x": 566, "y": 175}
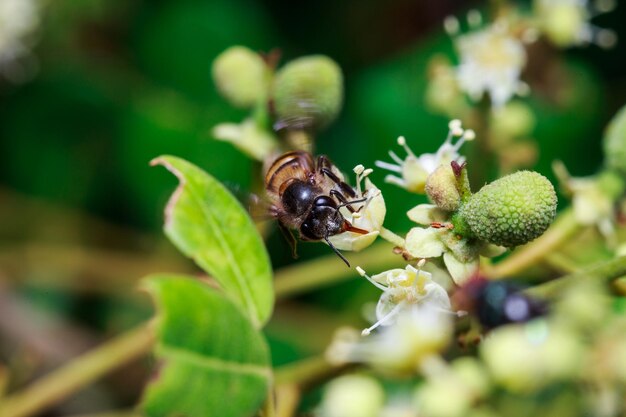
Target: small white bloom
{"x": 368, "y": 215}
{"x": 526, "y": 357}
{"x": 19, "y": 19}
{"x": 490, "y": 61}
{"x": 567, "y": 22}
{"x": 352, "y": 396}
{"x": 593, "y": 204}
{"x": 419, "y": 332}
{"x": 403, "y": 288}
{"x": 248, "y": 138}
{"x": 460, "y": 257}
{"x": 414, "y": 170}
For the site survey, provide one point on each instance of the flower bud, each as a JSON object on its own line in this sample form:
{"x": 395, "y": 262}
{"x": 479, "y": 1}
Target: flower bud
{"x": 615, "y": 142}
{"x": 352, "y": 396}
{"x": 308, "y": 93}
{"x": 241, "y": 76}
{"x": 441, "y": 188}
{"x": 511, "y": 211}
{"x": 561, "y": 21}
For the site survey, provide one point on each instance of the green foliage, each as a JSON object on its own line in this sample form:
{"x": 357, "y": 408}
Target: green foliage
{"x": 209, "y": 225}
{"x": 513, "y": 210}
{"x": 216, "y": 362}
{"x": 615, "y": 142}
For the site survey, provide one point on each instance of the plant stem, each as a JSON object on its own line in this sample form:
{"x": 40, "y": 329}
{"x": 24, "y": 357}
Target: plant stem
{"x": 287, "y": 400}
{"x": 306, "y": 372}
{"x": 607, "y": 271}
{"x": 328, "y": 270}
{"x": 391, "y": 237}
{"x": 57, "y": 385}
{"x": 559, "y": 233}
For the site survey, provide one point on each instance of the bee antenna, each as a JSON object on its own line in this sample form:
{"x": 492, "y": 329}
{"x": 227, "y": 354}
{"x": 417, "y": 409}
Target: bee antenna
{"x": 347, "y": 203}
{"x": 343, "y": 258}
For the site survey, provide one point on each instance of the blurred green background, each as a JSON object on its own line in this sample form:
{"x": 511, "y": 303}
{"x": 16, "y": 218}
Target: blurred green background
{"x": 119, "y": 83}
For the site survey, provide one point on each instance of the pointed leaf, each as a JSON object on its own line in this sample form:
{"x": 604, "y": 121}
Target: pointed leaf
{"x": 209, "y": 225}
{"x": 215, "y": 362}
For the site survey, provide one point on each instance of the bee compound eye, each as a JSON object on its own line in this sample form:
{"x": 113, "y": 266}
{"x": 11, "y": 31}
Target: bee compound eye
{"x": 325, "y": 201}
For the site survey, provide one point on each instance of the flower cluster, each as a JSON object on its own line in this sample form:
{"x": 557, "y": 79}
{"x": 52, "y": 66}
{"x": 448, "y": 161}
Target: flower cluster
{"x": 368, "y": 215}
{"x": 413, "y": 170}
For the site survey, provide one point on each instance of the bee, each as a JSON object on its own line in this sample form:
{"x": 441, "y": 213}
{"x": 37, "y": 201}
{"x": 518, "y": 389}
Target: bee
{"x": 306, "y": 196}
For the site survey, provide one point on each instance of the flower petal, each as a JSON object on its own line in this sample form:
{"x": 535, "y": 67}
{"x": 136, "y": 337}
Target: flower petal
{"x": 460, "y": 271}
{"x": 424, "y": 243}
{"x": 353, "y": 241}
{"x": 426, "y": 214}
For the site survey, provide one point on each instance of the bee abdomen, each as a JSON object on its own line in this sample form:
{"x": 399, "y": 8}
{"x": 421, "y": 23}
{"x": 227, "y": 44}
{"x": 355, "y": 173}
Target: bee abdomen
{"x": 296, "y": 164}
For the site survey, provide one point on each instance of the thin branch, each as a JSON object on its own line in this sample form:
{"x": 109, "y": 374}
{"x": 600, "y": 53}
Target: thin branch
{"x": 558, "y": 234}
{"x": 66, "y": 380}
{"x": 608, "y": 271}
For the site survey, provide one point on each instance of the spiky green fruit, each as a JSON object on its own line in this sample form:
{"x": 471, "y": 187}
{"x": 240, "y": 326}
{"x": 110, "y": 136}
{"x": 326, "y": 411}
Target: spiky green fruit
{"x": 511, "y": 211}
{"x": 308, "y": 93}
{"x": 615, "y": 142}
{"x": 241, "y": 76}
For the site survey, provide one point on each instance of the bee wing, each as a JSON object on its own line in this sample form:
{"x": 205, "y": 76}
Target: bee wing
{"x": 259, "y": 207}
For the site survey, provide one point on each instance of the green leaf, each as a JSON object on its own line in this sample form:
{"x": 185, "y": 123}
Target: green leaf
{"x": 215, "y": 362}
{"x": 209, "y": 225}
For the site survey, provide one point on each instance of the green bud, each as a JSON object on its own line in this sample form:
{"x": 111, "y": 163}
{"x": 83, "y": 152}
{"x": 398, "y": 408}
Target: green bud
{"x": 615, "y": 142}
{"x": 241, "y": 76}
{"x": 441, "y": 188}
{"x": 308, "y": 93}
{"x": 513, "y": 210}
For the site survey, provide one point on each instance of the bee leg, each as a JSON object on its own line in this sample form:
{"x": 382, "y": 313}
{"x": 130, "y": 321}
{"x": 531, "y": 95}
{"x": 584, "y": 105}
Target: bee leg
{"x": 344, "y": 201}
{"x": 344, "y": 187}
{"x": 336, "y": 251}
{"x": 290, "y": 239}
{"x": 324, "y": 166}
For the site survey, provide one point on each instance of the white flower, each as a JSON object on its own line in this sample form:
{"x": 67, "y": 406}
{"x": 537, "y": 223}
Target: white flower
{"x": 368, "y": 215}
{"x": 450, "y": 390}
{"x": 460, "y": 256}
{"x": 403, "y": 288}
{"x": 18, "y": 21}
{"x": 566, "y": 22}
{"x": 526, "y": 357}
{"x": 414, "y": 170}
{"x": 352, "y": 396}
{"x": 419, "y": 332}
{"x": 593, "y": 199}
{"x": 490, "y": 61}
{"x": 248, "y": 137}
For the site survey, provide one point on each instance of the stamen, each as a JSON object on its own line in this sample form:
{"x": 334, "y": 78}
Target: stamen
{"x": 358, "y": 169}
{"x": 388, "y": 166}
{"x": 604, "y": 6}
{"x": 378, "y": 285}
{"x": 451, "y": 25}
{"x": 469, "y": 135}
{"x": 390, "y": 179}
{"x": 367, "y": 172}
{"x": 396, "y": 158}
{"x": 402, "y": 142}
{"x": 605, "y": 38}
{"x": 474, "y": 18}
{"x": 389, "y": 315}
{"x": 455, "y": 124}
